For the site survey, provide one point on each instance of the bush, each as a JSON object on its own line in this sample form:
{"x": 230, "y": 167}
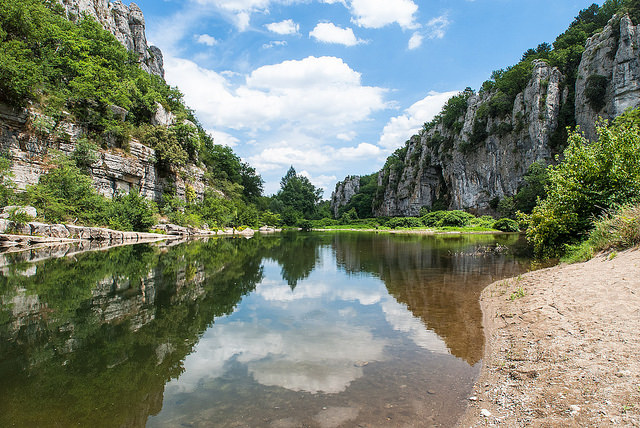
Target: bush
{"x": 305, "y": 225}
{"x": 404, "y": 222}
{"x": 455, "y": 219}
{"x": 85, "y": 154}
{"x": 131, "y": 212}
{"x": 506, "y": 225}
{"x": 485, "y": 221}
{"x": 268, "y": 218}
{"x": 592, "y": 178}
{"x": 433, "y": 218}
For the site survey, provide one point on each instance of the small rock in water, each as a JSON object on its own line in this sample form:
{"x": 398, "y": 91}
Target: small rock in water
{"x": 473, "y": 398}
{"x": 361, "y": 363}
{"x": 431, "y": 392}
{"x": 485, "y": 413}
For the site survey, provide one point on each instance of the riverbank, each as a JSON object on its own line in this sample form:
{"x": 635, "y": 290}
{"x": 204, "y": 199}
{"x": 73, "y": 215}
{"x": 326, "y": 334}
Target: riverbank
{"x": 562, "y": 347}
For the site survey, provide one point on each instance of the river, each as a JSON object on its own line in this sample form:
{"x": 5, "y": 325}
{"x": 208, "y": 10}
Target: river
{"x": 292, "y": 330}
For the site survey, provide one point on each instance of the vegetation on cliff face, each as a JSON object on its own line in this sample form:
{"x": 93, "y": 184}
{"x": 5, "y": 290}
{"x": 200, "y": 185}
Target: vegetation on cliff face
{"x": 78, "y": 72}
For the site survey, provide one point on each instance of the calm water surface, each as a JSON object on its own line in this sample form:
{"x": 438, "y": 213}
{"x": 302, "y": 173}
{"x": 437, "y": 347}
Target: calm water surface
{"x": 296, "y": 330}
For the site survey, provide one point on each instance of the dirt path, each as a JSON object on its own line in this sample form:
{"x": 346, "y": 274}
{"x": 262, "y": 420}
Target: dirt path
{"x": 562, "y": 348}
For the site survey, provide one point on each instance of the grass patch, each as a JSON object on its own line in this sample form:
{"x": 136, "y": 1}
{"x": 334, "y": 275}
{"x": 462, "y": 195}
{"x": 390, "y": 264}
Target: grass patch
{"x": 613, "y": 231}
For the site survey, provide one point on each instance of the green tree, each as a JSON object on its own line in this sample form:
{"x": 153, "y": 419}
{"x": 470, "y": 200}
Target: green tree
{"x": 297, "y": 197}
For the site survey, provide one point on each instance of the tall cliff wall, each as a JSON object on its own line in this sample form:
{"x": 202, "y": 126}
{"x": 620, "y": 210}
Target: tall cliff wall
{"x": 125, "y": 23}
{"x": 443, "y": 165}
{"x": 452, "y": 167}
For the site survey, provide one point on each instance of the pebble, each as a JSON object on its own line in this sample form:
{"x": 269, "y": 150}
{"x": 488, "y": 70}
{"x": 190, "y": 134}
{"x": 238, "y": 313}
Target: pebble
{"x": 574, "y": 409}
{"x": 473, "y": 398}
{"x": 485, "y": 413}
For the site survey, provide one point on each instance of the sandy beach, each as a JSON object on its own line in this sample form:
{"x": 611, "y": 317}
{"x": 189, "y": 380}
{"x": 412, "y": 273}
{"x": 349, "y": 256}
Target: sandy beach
{"x": 562, "y": 347}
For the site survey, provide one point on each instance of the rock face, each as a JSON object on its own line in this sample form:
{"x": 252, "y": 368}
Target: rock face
{"x": 114, "y": 171}
{"x": 345, "y": 190}
{"x": 473, "y": 165}
{"x": 441, "y": 167}
{"x": 125, "y": 23}
{"x": 613, "y": 54}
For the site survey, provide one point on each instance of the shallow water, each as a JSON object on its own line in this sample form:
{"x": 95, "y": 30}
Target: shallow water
{"x": 295, "y": 330}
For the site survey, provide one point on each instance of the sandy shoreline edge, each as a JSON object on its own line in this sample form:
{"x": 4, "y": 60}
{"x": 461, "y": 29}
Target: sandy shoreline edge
{"x": 562, "y": 347}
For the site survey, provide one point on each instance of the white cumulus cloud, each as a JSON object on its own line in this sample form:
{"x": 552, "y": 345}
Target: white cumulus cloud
{"x": 206, "y": 39}
{"x": 285, "y": 27}
{"x": 380, "y": 13}
{"x": 322, "y": 93}
{"x": 400, "y": 128}
{"x": 328, "y": 32}
{"x": 415, "y": 41}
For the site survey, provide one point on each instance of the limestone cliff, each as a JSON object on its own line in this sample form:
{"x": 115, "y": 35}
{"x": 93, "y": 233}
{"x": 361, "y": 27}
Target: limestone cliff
{"x": 612, "y": 59}
{"x": 483, "y": 157}
{"x": 443, "y": 165}
{"x": 345, "y": 190}
{"x": 114, "y": 171}
{"x": 125, "y": 23}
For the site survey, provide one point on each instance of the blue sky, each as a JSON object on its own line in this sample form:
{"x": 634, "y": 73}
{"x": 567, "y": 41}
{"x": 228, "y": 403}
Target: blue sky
{"x": 332, "y": 87}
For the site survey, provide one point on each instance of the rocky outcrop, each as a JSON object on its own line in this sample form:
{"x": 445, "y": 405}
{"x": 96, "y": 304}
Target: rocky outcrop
{"x": 445, "y": 167}
{"x": 483, "y": 157}
{"x": 610, "y": 69}
{"x": 125, "y": 23}
{"x": 345, "y": 190}
{"x": 114, "y": 171}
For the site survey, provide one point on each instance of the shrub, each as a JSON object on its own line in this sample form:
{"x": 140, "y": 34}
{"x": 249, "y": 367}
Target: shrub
{"x": 131, "y": 212}
{"x": 268, "y": 218}
{"x": 404, "y": 222}
{"x": 506, "y": 225}
{"x": 592, "y": 178}
{"x": 617, "y": 230}
{"x": 485, "y": 221}
{"x": 455, "y": 219}
{"x": 305, "y": 225}
{"x": 433, "y": 218}
{"x": 85, "y": 154}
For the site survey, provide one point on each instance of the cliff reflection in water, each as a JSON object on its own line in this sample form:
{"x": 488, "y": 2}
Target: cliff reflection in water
{"x": 103, "y": 338}
{"x": 439, "y": 278}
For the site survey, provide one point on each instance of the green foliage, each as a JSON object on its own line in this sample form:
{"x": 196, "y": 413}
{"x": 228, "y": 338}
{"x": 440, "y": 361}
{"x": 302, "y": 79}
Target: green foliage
{"x": 19, "y": 217}
{"x": 596, "y": 90}
{"x": 131, "y": 212}
{"x": 447, "y": 219}
{"x": 454, "y": 109}
{"x": 297, "y": 198}
{"x": 506, "y": 225}
{"x": 592, "y": 178}
{"x": 305, "y": 225}
{"x": 66, "y": 194}
{"x": 268, "y": 218}
{"x": 362, "y": 202}
{"x": 85, "y": 154}
{"x": 404, "y": 222}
